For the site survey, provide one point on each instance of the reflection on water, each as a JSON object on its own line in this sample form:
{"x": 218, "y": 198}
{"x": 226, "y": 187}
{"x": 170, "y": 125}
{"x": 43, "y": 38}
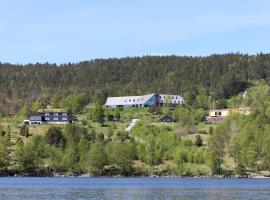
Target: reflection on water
{"x": 133, "y": 188}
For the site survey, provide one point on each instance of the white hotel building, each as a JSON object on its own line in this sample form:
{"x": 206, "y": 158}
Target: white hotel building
{"x": 144, "y": 101}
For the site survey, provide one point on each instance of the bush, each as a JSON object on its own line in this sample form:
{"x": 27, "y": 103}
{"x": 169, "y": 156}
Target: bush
{"x": 199, "y": 140}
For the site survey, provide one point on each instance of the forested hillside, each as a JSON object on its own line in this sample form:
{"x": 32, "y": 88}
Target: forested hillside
{"x": 216, "y": 76}
{"x": 93, "y": 145}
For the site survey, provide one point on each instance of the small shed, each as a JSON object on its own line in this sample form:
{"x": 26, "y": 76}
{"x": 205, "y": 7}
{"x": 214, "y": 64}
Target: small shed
{"x": 110, "y": 118}
{"x": 113, "y": 118}
{"x": 167, "y": 118}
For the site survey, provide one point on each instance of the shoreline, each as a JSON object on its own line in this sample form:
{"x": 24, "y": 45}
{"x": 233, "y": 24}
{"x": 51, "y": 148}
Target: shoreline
{"x": 247, "y": 176}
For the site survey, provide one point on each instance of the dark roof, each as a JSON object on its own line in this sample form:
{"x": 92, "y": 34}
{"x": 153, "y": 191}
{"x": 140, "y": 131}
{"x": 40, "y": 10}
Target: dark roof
{"x": 167, "y": 117}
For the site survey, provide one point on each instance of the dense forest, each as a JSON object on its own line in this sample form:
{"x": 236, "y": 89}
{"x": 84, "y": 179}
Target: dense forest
{"x": 215, "y": 76}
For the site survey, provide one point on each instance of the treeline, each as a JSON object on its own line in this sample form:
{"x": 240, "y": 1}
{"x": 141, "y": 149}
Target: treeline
{"x": 216, "y": 77}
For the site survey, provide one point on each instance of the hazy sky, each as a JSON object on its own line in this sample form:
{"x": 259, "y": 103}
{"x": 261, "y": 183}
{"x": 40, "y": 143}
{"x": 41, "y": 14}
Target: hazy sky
{"x": 76, "y": 30}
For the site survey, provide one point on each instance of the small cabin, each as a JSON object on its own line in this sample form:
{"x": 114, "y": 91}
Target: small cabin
{"x": 167, "y": 119}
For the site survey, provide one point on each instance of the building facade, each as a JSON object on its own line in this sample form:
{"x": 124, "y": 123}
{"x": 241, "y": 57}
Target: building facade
{"x": 144, "y": 101}
{"x": 218, "y": 115}
{"x": 50, "y": 116}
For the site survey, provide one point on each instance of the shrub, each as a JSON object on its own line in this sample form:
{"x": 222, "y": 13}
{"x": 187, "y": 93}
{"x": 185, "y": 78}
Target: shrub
{"x": 199, "y": 140}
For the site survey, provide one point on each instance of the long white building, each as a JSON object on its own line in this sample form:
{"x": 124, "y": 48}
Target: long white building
{"x": 144, "y": 101}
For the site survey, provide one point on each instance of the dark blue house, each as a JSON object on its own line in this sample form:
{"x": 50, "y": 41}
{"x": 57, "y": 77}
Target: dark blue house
{"x": 50, "y": 116}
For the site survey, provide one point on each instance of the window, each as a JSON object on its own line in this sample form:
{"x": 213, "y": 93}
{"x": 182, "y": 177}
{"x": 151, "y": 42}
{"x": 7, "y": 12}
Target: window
{"x": 55, "y": 118}
{"x": 47, "y": 118}
{"x": 46, "y": 114}
{"x": 64, "y": 118}
{"x": 55, "y": 114}
{"x": 64, "y": 114}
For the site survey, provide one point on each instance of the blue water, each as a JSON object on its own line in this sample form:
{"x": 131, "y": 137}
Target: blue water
{"x": 133, "y": 188}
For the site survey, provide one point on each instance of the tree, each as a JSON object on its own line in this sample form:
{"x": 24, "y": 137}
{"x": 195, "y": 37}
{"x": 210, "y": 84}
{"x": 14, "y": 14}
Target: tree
{"x": 181, "y": 156}
{"x": 26, "y": 110}
{"x": 24, "y": 131}
{"x": 199, "y": 140}
{"x": 72, "y": 133}
{"x": 71, "y": 158}
{"x": 4, "y": 155}
{"x": 83, "y": 148}
{"x": 26, "y": 157}
{"x": 38, "y": 105}
{"x": 75, "y": 103}
{"x": 54, "y": 136}
{"x": 98, "y": 112}
{"x": 96, "y": 159}
{"x": 216, "y": 149}
{"x": 121, "y": 155}
{"x": 152, "y": 152}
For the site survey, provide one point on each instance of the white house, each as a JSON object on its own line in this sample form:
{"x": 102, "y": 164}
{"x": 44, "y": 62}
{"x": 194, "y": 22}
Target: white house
{"x": 144, "y": 101}
{"x": 217, "y": 115}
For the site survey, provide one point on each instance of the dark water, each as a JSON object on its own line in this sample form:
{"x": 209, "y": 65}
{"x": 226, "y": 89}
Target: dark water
{"x": 133, "y": 188}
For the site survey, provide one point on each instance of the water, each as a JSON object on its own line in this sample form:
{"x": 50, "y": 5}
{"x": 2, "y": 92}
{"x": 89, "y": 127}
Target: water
{"x": 133, "y": 188}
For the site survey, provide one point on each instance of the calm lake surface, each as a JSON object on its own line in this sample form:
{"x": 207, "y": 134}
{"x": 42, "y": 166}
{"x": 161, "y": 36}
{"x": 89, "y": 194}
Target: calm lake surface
{"x": 133, "y": 188}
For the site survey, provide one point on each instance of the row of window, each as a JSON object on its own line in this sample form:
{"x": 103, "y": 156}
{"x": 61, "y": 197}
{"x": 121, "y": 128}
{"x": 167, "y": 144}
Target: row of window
{"x": 134, "y": 100}
{"x": 56, "y": 118}
{"x": 35, "y": 122}
{"x": 162, "y": 101}
{"x": 172, "y": 97}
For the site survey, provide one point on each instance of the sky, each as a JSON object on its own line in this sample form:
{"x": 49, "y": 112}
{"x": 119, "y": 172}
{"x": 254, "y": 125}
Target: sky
{"x": 61, "y": 31}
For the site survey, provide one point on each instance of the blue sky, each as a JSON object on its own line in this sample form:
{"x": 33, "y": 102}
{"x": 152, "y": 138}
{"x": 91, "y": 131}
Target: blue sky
{"x": 60, "y": 31}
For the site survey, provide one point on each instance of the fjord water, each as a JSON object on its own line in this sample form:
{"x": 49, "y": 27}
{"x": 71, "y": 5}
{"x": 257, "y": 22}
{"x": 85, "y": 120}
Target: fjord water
{"x": 133, "y": 188}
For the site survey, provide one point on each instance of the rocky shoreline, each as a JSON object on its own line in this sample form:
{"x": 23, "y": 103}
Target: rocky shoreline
{"x": 248, "y": 175}
{"x": 244, "y": 176}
